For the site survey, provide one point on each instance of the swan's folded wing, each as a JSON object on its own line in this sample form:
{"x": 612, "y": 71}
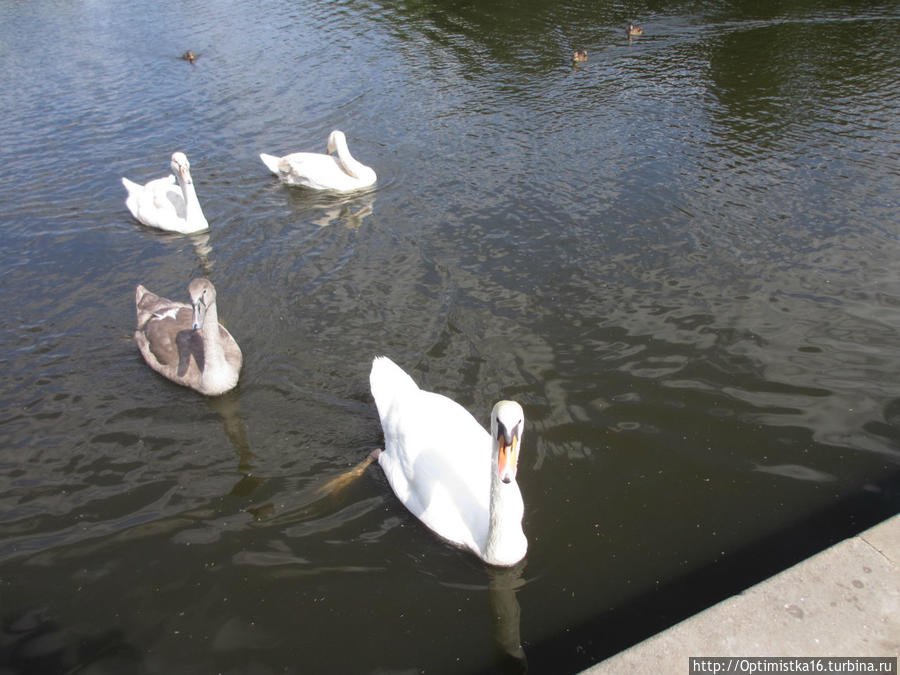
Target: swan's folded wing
{"x": 161, "y": 334}
{"x": 163, "y": 191}
{"x": 314, "y": 170}
{"x": 272, "y": 162}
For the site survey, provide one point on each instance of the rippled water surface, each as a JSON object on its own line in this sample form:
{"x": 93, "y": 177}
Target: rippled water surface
{"x": 680, "y": 257}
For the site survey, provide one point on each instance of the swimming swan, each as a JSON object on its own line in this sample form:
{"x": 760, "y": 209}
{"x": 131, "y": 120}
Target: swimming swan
{"x": 185, "y": 342}
{"x": 168, "y": 203}
{"x": 447, "y": 470}
{"x": 322, "y": 172}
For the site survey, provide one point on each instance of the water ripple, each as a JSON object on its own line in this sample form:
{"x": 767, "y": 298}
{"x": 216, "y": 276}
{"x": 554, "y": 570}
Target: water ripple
{"x": 678, "y": 256}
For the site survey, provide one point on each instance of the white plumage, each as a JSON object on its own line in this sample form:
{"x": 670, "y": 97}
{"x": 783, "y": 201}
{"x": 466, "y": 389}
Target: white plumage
{"x": 168, "y": 203}
{"x": 458, "y": 479}
{"x": 340, "y": 172}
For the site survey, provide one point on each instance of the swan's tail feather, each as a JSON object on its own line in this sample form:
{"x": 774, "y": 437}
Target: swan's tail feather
{"x": 271, "y": 161}
{"x": 145, "y": 300}
{"x": 129, "y": 185}
{"x": 388, "y": 376}
{"x": 134, "y": 191}
{"x": 388, "y": 381}
{"x": 139, "y": 294}
{"x": 343, "y": 480}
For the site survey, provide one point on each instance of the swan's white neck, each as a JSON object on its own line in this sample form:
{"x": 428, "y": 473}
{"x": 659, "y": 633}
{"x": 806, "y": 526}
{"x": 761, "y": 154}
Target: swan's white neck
{"x": 345, "y": 159}
{"x": 193, "y": 213}
{"x": 506, "y": 543}
{"x": 213, "y": 349}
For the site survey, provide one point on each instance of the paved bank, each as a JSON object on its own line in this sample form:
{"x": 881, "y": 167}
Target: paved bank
{"x": 844, "y": 601}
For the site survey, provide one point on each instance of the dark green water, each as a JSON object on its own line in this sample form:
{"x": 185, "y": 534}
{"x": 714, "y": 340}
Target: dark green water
{"x": 680, "y": 257}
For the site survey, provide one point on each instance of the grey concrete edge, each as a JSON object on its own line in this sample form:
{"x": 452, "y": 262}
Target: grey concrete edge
{"x": 842, "y": 602}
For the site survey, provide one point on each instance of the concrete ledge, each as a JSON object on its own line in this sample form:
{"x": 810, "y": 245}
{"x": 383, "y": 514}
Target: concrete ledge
{"x": 844, "y": 601}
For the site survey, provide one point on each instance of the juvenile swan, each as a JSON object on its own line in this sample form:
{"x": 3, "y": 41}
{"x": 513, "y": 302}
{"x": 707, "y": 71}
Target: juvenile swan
{"x": 447, "y": 470}
{"x": 168, "y": 203}
{"x": 341, "y": 173}
{"x": 186, "y": 343}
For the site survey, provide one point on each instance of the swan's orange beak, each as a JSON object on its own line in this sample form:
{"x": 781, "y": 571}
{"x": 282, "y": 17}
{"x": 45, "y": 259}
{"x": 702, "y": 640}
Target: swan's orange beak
{"x": 508, "y": 458}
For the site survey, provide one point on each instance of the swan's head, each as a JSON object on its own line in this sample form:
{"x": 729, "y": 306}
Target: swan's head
{"x": 181, "y": 167}
{"x": 336, "y": 139}
{"x": 203, "y": 296}
{"x": 507, "y": 427}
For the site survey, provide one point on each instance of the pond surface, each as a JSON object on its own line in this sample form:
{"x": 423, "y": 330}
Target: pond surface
{"x": 680, "y": 257}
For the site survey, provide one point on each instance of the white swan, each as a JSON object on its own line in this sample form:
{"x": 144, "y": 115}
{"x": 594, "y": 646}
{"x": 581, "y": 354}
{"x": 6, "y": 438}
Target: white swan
{"x": 322, "y": 172}
{"x": 447, "y": 470}
{"x": 167, "y": 204}
{"x": 186, "y": 343}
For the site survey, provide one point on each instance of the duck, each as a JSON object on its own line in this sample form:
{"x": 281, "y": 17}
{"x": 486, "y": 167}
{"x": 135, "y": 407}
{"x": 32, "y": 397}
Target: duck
{"x": 168, "y": 203}
{"x": 188, "y": 56}
{"x": 186, "y": 343}
{"x": 453, "y": 475}
{"x": 633, "y": 30}
{"x": 341, "y": 173}
{"x": 579, "y": 56}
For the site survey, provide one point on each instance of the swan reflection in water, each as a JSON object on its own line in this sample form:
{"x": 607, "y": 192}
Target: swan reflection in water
{"x": 350, "y": 214}
{"x": 227, "y": 406}
{"x": 506, "y": 615}
{"x": 331, "y": 209}
{"x": 200, "y": 242}
{"x": 202, "y": 249}
{"x": 325, "y": 208}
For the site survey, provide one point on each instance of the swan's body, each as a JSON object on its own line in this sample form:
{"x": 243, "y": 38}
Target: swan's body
{"x": 339, "y": 172}
{"x": 185, "y": 343}
{"x": 447, "y": 470}
{"x": 579, "y": 56}
{"x": 168, "y": 203}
